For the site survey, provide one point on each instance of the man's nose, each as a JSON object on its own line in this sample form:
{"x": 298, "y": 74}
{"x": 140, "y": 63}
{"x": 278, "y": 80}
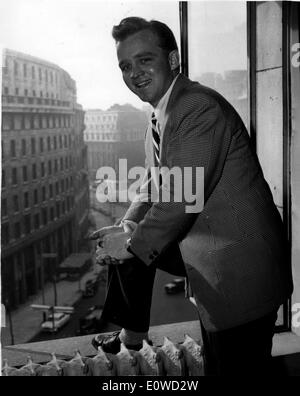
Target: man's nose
{"x": 136, "y": 71}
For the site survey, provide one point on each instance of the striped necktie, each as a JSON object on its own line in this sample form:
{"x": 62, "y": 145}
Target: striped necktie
{"x": 155, "y": 139}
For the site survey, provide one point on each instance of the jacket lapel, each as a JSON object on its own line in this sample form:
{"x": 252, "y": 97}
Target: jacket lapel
{"x": 181, "y": 84}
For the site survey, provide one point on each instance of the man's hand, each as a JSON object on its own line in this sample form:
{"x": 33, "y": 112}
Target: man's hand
{"x": 113, "y": 249}
{"x": 99, "y": 234}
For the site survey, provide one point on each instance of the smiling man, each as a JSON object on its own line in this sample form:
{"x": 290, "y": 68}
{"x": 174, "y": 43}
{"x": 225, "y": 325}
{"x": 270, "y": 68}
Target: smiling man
{"x": 232, "y": 252}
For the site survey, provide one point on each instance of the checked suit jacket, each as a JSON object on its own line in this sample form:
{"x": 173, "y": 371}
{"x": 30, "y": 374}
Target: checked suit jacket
{"x": 234, "y": 250}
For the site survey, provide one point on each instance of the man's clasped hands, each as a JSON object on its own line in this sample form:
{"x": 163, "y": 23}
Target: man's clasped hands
{"x": 112, "y": 244}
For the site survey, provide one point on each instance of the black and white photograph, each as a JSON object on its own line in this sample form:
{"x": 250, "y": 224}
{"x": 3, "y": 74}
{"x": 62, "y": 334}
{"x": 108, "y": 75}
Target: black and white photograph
{"x": 150, "y": 190}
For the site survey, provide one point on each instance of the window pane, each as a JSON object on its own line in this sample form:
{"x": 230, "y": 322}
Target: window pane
{"x": 218, "y": 49}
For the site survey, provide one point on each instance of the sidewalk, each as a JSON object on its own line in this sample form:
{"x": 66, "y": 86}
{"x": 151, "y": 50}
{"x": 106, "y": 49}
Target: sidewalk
{"x": 26, "y": 321}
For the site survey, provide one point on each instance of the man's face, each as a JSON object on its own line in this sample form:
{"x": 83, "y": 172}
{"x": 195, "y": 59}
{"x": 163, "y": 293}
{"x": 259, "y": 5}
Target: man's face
{"x": 145, "y": 66}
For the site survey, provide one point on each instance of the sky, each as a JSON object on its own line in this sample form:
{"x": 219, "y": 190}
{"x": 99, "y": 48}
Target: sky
{"x": 76, "y": 35}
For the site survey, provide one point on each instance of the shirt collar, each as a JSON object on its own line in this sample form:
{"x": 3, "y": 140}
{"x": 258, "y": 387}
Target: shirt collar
{"x": 160, "y": 109}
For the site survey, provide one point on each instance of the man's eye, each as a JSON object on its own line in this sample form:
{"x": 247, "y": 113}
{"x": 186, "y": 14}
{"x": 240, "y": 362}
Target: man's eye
{"x": 145, "y": 60}
{"x": 125, "y": 68}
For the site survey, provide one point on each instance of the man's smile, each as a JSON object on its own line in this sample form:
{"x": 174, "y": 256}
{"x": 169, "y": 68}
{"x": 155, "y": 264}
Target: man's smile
{"x": 142, "y": 84}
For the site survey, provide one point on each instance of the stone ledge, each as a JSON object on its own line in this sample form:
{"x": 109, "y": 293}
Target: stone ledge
{"x": 283, "y": 344}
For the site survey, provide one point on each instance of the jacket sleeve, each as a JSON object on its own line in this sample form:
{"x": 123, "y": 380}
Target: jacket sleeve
{"x": 142, "y": 201}
{"x": 201, "y": 139}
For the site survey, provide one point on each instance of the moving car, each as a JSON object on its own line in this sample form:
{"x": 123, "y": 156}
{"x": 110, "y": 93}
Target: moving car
{"x": 176, "y": 286}
{"x": 55, "y": 321}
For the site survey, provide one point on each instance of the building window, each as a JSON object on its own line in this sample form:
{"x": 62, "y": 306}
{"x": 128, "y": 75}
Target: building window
{"x": 12, "y": 148}
{"x": 23, "y": 147}
{"x": 48, "y": 143}
{"x": 51, "y": 78}
{"x": 62, "y": 185}
{"x": 35, "y": 197}
{"x": 6, "y": 91}
{"x": 27, "y": 223}
{"x": 61, "y": 163}
{"x": 44, "y": 194}
{"x": 41, "y": 145}
{"x": 17, "y": 230}
{"x": 50, "y": 167}
{"x": 25, "y": 92}
{"x": 34, "y": 172}
{"x": 55, "y": 142}
{"x": 6, "y": 122}
{"x": 37, "y": 221}
{"x": 63, "y": 207}
{"x": 66, "y": 141}
{"x": 33, "y": 72}
{"x": 222, "y": 26}
{"x": 25, "y": 70}
{"x": 60, "y": 141}
{"x": 50, "y": 190}
{"x": 33, "y": 148}
{"x": 4, "y": 234}
{"x": 25, "y": 174}
{"x": 33, "y": 93}
{"x": 51, "y": 213}
{"x": 55, "y": 166}
{"x": 26, "y": 200}
{"x": 3, "y": 207}
{"x": 16, "y": 203}
{"x": 17, "y": 91}
{"x": 40, "y": 74}
{"x": 14, "y": 176}
{"x": 45, "y": 216}
{"x": 56, "y": 188}
{"x": 57, "y": 209}
{"x": 3, "y": 178}
{"x": 16, "y": 68}
{"x": 42, "y": 169}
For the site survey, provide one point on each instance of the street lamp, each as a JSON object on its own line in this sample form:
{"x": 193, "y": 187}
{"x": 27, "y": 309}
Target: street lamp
{"x": 53, "y": 273}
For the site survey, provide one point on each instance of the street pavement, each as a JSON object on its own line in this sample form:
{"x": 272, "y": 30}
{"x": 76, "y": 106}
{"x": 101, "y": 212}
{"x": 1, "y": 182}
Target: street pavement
{"x": 26, "y": 321}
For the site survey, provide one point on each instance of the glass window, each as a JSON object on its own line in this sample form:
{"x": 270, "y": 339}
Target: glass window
{"x": 5, "y": 234}
{"x": 33, "y": 146}
{"x": 25, "y": 175}
{"x": 14, "y": 176}
{"x": 34, "y": 172}
{"x": 35, "y": 197}
{"x": 218, "y": 49}
{"x": 37, "y": 221}
{"x": 13, "y": 148}
{"x": 26, "y": 200}
{"x": 23, "y": 147}
{"x": 27, "y": 223}
{"x": 3, "y": 207}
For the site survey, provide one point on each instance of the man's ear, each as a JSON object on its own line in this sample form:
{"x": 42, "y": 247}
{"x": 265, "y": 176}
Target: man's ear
{"x": 174, "y": 60}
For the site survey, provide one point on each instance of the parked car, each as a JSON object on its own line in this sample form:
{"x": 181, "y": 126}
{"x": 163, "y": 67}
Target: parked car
{"x": 176, "y": 286}
{"x": 91, "y": 287}
{"x": 55, "y": 321}
{"x": 92, "y": 321}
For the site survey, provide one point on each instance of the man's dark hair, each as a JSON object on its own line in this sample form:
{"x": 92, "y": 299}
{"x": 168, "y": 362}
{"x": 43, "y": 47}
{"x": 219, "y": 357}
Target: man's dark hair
{"x": 131, "y": 25}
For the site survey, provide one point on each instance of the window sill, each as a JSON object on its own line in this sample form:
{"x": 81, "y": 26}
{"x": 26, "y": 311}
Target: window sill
{"x": 285, "y": 344}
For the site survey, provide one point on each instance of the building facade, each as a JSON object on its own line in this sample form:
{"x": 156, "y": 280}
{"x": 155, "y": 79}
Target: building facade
{"x": 117, "y": 133}
{"x": 45, "y": 196}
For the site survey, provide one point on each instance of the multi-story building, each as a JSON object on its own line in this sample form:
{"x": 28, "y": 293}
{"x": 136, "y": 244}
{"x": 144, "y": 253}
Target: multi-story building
{"x": 117, "y": 133}
{"x": 45, "y": 198}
